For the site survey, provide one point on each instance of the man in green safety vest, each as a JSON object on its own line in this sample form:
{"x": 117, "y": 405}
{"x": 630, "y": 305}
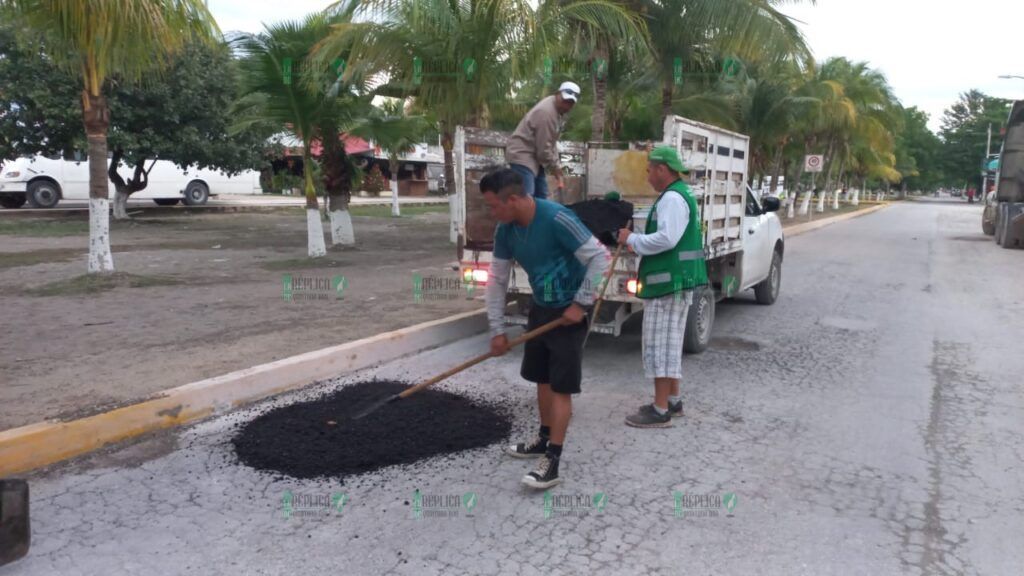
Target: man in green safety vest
{"x": 672, "y": 264}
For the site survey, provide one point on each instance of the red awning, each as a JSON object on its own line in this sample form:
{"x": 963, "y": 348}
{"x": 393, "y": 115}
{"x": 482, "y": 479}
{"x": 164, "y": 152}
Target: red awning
{"x": 353, "y": 145}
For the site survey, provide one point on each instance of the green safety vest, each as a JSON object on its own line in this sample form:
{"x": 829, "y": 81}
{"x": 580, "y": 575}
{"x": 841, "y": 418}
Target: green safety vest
{"x": 680, "y": 268}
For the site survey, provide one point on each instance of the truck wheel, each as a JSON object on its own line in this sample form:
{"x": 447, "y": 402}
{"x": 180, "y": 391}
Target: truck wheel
{"x": 988, "y": 227}
{"x": 699, "y": 320}
{"x": 12, "y": 200}
{"x": 767, "y": 290}
{"x": 166, "y": 201}
{"x": 196, "y": 193}
{"x": 1007, "y": 237}
{"x": 43, "y": 194}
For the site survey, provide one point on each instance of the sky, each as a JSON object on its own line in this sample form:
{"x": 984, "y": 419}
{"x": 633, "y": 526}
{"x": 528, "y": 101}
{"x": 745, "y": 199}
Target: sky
{"x": 930, "y": 51}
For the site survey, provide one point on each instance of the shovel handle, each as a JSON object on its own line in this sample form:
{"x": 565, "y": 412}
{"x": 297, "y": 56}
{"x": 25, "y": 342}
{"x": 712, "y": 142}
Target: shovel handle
{"x": 474, "y": 361}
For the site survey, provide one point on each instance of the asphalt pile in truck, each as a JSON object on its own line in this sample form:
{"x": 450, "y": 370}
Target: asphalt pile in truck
{"x": 604, "y": 217}
{"x": 320, "y": 439}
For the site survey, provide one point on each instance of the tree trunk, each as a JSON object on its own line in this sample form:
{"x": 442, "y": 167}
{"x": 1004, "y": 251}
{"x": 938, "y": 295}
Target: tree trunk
{"x": 599, "y": 70}
{"x": 314, "y": 225}
{"x": 393, "y": 164}
{"x": 447, "y": 143}
{"x": 777, "y": 165}
{"x": 96, "y": 117}
{"x": 666, "y": 98}
{"x": 123, "y": 190}
{"x": 337, "y": 178}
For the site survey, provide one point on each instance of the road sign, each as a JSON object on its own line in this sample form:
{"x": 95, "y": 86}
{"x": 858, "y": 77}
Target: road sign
{"x": 813, "y": 162}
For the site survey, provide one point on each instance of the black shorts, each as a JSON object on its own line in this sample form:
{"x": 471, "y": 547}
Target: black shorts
{"x": 555, "y": 358}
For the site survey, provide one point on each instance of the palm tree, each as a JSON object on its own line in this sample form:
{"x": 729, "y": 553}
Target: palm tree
{"x": 396, "y": 134}
{"x": 690, "y": 37}
{"x": 455, "y": 58}
{"x": 284, "y": 88}
{"x": 101, "y": 39}
{"x": 610, "y": 37}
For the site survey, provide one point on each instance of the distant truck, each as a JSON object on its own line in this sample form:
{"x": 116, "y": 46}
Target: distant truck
{"x": 743, "y": 240}
{"x": 43, "y": 182}
{"x": 1003, "y": 215}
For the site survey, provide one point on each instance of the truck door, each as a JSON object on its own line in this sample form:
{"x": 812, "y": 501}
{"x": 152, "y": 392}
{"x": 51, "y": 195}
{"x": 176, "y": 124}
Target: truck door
{"x": 757, "y": 248}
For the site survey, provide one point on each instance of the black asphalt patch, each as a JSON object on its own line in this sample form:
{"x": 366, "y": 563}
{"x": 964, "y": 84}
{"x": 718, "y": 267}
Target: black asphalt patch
{"x": 320, "y": 439}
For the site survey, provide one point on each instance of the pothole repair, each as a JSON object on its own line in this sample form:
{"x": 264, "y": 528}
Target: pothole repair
{"x": 734, "y": 344}
{"x": 320, "y": 439}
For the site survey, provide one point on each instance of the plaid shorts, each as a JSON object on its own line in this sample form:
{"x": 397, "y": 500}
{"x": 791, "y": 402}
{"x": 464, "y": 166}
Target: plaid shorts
{"x": 664, "y": 324}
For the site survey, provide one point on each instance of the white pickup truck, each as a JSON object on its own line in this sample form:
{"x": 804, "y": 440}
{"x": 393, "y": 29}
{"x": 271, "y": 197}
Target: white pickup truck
{"x": 43, "y": 182}
{"x": 743, "y": 240}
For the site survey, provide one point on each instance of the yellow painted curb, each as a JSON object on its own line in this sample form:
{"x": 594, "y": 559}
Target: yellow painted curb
{"x": 36, "y": 445}
{"x": 809, "y": 226}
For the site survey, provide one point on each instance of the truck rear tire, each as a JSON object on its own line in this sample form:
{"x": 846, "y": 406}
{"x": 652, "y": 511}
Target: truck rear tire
{"x": 699, "y": 321}
{"x": 988, "y": 228}
{"x": 767, "y": 290}
{"x": 43, "y": 194}
{"x": 196, "y": 193}
{"x": 12, "y": 200}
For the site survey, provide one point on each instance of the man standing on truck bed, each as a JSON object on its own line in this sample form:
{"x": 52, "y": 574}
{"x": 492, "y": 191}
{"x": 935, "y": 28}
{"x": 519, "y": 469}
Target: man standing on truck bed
{"x": 558, "y": 254}
{"x": 533, "y": 147}
{"x": 671, "y": 265}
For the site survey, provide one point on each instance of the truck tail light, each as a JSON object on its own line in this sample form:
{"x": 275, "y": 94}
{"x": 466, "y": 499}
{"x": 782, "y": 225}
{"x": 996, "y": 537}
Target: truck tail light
{"x": 632, "y": 285}
{"x": 474, "y": 275}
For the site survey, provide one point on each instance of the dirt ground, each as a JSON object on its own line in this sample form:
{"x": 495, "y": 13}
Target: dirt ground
{"x": 197, "y": 296}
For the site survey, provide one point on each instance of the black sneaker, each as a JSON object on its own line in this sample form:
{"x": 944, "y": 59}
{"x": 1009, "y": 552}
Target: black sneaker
{"x": 675, "y": 409}
{"x": 648, "y": 417}
{"x": 535, "y": 449}
{"x": 545, "y": 475}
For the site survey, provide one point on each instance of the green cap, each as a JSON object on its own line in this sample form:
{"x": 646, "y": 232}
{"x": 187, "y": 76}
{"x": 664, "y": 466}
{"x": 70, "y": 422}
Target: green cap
{"x": 668, "y": 156}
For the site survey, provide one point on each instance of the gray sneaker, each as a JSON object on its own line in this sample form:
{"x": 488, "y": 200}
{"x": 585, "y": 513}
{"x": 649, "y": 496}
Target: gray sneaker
{"x": 648, "y": 417}
{"x": 675, "y": 409}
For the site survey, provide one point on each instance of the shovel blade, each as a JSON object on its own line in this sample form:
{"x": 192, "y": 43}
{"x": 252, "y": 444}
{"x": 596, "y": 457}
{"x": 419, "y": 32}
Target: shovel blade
{"x": 15, "y": 531}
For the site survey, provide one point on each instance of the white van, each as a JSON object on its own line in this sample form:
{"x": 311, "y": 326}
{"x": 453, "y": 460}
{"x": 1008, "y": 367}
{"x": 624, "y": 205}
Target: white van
{"x": 44, "y": 181}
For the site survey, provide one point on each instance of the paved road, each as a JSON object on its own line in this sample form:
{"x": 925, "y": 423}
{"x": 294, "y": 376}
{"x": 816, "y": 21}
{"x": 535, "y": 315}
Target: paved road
{"x": 868, "y": 423}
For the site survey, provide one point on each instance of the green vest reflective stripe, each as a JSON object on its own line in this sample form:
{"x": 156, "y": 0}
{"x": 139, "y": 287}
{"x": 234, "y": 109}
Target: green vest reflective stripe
{"x": 682, "y": 267}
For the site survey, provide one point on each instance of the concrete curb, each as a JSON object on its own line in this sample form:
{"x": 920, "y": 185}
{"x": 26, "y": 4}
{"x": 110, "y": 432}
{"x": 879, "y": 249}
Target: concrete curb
{"x": 166, "y": 210}
{"x": 809, "y": 226}
{"x": 37, "y": 445}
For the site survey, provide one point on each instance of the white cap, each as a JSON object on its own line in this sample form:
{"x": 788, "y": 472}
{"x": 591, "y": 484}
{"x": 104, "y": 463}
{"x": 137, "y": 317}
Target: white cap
{"x": 570, "y": 90}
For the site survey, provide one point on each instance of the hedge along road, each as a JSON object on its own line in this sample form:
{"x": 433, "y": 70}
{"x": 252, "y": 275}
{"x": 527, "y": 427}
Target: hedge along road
{"x": 867, "y": 423}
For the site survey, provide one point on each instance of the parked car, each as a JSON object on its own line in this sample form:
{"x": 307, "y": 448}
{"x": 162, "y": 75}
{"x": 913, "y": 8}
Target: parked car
{"x": 43, "y": 182}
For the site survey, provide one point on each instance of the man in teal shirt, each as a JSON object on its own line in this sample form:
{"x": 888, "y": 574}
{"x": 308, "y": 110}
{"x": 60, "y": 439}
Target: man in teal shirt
{"x": 559, "y": 255}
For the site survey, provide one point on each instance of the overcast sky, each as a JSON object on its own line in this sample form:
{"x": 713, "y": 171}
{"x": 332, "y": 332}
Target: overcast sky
{"x": 929, "y": 50}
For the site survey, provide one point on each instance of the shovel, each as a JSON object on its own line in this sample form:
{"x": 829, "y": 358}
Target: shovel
{"x": 467, "y": 364}
{"x": 15, "y": 532}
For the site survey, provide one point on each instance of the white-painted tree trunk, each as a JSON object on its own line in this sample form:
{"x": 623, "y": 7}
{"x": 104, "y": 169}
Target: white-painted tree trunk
{"x": 395, "y": 211}
{"x": 835, "y": 199}
{"x": 120, "y": 205}
{"x": 805, "y": 206}
{"x": 856, "y": 197}
{"x": 792, "y": 206}
{"x": 342, "y": 232}
{"x": 100, "y": 257}
{"x": 315, "y": 230}
{"x": 821, "y": 201}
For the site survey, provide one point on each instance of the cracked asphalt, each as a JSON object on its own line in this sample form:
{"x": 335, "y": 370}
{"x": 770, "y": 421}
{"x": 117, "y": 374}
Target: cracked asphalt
{"x": 870, "y": 422}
